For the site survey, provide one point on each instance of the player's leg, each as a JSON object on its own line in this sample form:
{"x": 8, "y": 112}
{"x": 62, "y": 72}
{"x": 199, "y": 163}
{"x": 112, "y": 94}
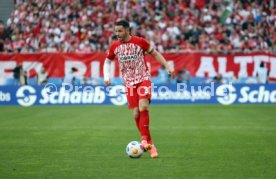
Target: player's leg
{"x": 133, "y": 99}
{"x": 144, "y": 128}
{"x": 144, "y": 93}
{"x": 136, "y": 115}
{"x": 144, "y": 102}
{"x": 144, "y": 123}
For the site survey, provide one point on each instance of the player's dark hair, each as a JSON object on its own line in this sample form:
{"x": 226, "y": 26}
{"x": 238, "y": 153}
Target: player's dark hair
{"x": 123, "y": 23}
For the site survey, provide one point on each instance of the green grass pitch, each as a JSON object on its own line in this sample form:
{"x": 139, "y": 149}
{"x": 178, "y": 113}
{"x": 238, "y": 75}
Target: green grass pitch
{"x": 203, "y": 141}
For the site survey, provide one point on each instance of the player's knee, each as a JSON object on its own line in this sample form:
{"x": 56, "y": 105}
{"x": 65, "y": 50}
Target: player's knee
{"x": 143, "y": 106}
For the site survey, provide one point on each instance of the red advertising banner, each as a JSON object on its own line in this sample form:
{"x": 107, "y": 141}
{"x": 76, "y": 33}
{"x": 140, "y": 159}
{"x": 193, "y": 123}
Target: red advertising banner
{"x": 91, "y": 65}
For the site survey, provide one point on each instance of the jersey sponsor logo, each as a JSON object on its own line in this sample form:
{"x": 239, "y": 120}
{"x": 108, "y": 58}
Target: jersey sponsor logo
{"x": 128, "y": 57}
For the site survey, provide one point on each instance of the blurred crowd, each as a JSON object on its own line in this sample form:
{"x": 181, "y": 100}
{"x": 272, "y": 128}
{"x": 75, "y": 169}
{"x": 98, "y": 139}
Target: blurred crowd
{"x": 86, "y": 26}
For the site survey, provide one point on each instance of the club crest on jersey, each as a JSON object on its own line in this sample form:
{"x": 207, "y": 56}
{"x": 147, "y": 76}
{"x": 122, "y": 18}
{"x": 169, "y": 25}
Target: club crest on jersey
{"x": 128, "y": 57}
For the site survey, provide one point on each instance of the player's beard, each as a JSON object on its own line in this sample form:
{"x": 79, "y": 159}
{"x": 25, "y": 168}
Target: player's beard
{"x": 122, "y": 38}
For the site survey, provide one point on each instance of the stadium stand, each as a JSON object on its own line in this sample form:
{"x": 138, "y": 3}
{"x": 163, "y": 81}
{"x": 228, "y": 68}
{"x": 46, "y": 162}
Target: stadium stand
{"x": 85, "y": 26}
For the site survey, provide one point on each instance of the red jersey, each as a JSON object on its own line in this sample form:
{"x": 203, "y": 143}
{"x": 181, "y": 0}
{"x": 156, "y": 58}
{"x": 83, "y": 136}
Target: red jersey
{"x": 131, "y": 56}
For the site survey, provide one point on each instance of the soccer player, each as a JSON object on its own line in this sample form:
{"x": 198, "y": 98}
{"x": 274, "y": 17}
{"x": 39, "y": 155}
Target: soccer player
{"x": 130, "y": 52}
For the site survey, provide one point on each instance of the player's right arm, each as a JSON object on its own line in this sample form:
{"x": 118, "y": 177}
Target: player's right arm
{"x": 107, "y": 63}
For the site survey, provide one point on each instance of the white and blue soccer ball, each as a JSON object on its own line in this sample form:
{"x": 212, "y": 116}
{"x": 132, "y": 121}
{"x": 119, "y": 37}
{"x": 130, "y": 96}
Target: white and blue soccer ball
{"x": 134, "y": 149}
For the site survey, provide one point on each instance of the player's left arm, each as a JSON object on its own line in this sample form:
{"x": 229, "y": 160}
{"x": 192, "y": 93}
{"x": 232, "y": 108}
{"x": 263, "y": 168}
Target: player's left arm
{"x": 155, "y": 54}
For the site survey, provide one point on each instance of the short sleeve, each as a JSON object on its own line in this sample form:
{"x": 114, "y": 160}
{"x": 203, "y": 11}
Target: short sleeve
{"x": 146, "y": 45}
{"x": 111, "y": 55}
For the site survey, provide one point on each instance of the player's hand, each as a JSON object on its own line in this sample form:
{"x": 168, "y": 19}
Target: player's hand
{"x": 171, "y": 73}
{"x": 107, "y": 82}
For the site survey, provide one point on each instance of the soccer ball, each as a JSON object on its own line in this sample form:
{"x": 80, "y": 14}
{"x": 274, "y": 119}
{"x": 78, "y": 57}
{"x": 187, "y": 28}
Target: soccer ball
{"x": 134, "y": 149}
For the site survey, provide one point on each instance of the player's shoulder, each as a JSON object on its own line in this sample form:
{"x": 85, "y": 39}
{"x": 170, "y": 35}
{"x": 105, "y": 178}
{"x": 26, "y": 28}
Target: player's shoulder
{"x": 136, "y": 38}
{"x": 139, "y": 40}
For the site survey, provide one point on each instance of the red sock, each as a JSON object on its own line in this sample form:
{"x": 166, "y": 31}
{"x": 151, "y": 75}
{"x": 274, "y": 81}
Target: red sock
{"x": 144, "y": 126}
